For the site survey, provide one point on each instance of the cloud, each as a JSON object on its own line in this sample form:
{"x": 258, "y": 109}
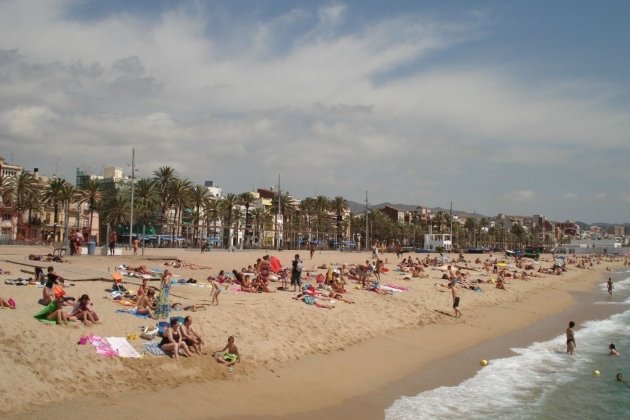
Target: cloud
{"x": 570, "y": 196}
{"x": 520, "y": 196}
{"x": 334, "y": 106}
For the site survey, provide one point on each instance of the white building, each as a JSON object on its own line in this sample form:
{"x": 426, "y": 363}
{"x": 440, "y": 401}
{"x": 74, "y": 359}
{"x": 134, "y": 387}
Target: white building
{"x": 435, "y": 240}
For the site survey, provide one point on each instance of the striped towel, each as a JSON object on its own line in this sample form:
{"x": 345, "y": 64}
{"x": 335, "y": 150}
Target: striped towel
{"x": 154, "y": 349}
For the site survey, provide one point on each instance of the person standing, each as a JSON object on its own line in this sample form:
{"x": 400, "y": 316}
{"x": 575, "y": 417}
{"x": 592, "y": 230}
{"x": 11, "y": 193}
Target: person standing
{"x": 296, "y": 272}
{"x": 610, "y": 286}
{"x": 112, "y": 242}
{"x": 455, "y": 301}
{"x": 570, "y": 338}
{"x": 135, "y": 244}
{"x": 163, "y": 307}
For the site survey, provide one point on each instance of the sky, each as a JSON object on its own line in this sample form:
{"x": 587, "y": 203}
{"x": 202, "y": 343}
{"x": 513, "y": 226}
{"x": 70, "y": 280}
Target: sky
{"x": 517, "y": 107}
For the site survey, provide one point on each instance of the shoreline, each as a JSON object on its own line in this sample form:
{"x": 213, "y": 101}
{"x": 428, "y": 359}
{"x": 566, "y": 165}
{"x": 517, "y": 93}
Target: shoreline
{"x": 353, "y": 382}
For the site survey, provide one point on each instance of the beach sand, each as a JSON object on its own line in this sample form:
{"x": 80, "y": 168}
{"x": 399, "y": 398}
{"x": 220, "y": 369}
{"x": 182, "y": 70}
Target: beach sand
{"x": 298, "y": 360}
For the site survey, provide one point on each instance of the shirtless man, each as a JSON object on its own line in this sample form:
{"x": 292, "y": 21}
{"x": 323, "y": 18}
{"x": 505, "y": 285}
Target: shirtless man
{"x": 455, "y": 301}
{"x": 192, "y": 339}
{"x": 570, "y": 338}
{"x": 229, "y": 354}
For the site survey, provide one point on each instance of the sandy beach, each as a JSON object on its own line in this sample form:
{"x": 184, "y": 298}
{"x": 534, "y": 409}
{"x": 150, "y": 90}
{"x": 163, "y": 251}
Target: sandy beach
{"x": 298, "y": 360}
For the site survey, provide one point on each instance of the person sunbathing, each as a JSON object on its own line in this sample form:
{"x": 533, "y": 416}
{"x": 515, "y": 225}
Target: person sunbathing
{"x": 339, "y": 297}
{"x": 142, "y": 270}
{"x": 172, "y": 340}
{"x": 191, "y": 337}
{"x": 500, "y": 283}
{"x": 376, "y": 287}
{"x": 177, "y": 306}
{"x": 82, "y": 311}
{"x": 144, "y": 304}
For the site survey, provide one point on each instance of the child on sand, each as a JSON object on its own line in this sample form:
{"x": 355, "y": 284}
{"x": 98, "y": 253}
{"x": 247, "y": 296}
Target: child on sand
{"x": 229, "y": 354}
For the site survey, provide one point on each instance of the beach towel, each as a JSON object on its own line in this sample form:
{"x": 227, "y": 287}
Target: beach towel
{"x": 401, "y": 288}
{"x": 154, "y": 349}
{"x": 101, "y": 345}
{"x": 163, "y": 308}
{"x": 47, "y": 310}
{"x": 122, "y": 348}
{"x": 390, "y": 289}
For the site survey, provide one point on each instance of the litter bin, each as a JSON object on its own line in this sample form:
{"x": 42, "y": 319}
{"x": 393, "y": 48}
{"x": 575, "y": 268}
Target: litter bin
{"x": 91, "y": 246}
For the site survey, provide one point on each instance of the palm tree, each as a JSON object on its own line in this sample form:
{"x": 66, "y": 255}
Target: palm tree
{"x": 263, "y": 219}
{"x": 92, "y": 195}
{"x": 339, "y": 205}
{"x": 227, "y": 209}
{"x": 212, "y": 211}
{"x": 198, "y": 195}
{"x": 24, "y": 192}
{"x": 307, "y": 207}
{"x": 116, "y": 211}
{"x": 69, "y": 194}
{"x": 247, "y": 199}
{"x": 53, "y": 196}
{"x": 164, "y": 177}
{"x": 146, "y": 201}
{"x": 179, "y": 192}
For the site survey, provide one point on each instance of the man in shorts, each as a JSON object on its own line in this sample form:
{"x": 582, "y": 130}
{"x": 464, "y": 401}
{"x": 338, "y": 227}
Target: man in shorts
{"x": 296, "y": 272}
{"x": 455, "y": 301}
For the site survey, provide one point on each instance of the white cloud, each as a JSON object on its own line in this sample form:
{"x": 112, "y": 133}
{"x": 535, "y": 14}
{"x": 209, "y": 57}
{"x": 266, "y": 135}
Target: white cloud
{"x": 290, "y": 94}
{"x": 570, "y": 196}
{"x": 520, "y": 196}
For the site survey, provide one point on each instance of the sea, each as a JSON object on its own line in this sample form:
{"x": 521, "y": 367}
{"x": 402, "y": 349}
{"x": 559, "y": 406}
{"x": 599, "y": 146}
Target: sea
{"x": 541, "y": 381}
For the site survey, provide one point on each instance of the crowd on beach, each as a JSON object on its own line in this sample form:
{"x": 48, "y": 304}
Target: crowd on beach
{"x": 321, "y": 286}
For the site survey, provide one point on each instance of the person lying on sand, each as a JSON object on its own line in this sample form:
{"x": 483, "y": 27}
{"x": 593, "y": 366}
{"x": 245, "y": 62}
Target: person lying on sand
{"x": 141, "y": 270}
{"x": 229, "y": 354}
{"x": 311, "y": 300}
{"x": 181, "y": 264}
{"x": 177, "y": 306}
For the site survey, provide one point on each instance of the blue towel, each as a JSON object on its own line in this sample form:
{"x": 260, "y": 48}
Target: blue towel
{"x": 154, "y": 349}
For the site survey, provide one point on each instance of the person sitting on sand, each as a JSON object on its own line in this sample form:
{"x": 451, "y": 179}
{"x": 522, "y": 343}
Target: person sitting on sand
{"x": 144, "y": 304}
{"x": 500, "y": 283}
{"x": 246, "y": 285}
{"x": 58, "y": 314}
{"x": 82, "y": 311}
{"x": 229, "y": 354}
{"x": 172, "y": 340}
{"x": 192, "y": 339}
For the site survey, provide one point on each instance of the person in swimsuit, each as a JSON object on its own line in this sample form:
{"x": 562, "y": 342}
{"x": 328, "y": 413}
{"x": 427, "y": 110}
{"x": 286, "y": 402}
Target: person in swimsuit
{"x": 172, "y": 340}
{"x": 229, "y": 354}
{"x": 613, "y": 350}
{"x": 570, "y": 338}
{"x": 610, "y": 286}
{"x": 455, "y": 301}
{"x": 192, "y": 339}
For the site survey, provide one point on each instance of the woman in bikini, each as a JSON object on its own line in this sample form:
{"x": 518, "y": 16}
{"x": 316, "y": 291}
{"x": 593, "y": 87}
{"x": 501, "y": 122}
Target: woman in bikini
{"x": 83, "y": 312}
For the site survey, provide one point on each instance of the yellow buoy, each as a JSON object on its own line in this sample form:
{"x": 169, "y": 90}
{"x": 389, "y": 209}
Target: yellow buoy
{"x": 484, "y": 362}
{"x": 596, "y": 373}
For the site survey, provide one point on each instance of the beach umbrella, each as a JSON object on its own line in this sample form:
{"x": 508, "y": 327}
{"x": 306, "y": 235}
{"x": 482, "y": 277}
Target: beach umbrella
{"x": 275, "y": 263}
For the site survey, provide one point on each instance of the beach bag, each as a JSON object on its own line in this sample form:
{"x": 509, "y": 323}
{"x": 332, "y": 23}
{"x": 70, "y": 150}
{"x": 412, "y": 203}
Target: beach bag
{"x": 149, "y": 333}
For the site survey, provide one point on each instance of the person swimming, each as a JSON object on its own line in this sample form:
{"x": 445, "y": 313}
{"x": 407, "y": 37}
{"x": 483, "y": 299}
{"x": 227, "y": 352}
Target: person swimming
{"x": 613, "y": 350}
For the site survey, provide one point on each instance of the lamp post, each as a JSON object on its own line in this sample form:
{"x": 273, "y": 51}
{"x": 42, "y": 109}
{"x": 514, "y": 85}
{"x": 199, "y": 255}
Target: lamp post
{"x": 133, "y": 176}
